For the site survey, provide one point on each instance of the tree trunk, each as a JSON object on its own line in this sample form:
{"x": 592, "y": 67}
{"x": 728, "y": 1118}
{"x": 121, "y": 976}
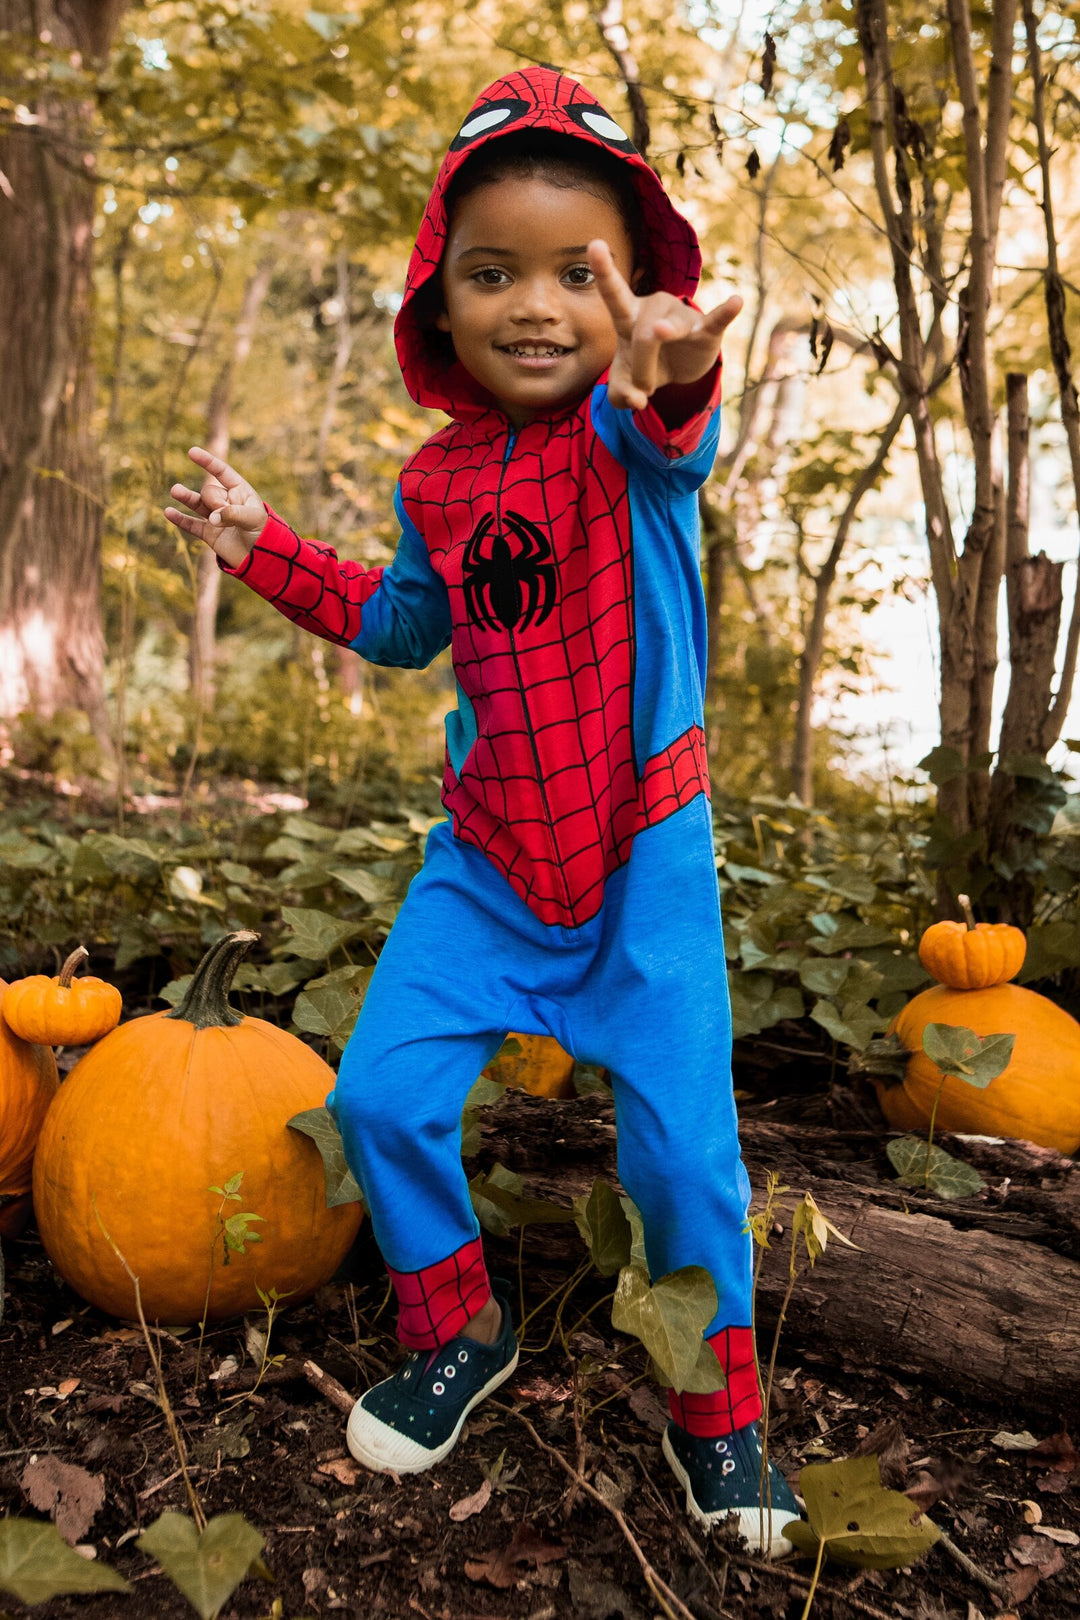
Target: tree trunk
{"x": 978, "y": 1297}
{"x": 202, "y": 646}
{"x": 51, "y": 507}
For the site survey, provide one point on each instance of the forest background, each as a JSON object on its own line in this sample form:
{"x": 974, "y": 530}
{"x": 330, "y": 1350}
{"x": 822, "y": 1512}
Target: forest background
{"x": 205, "y": 213}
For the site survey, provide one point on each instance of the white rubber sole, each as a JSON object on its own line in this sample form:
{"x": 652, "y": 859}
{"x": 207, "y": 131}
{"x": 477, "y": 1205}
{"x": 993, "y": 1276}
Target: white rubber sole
{"x": 382, "y": 1449}
{"x": 762, "y": 1531}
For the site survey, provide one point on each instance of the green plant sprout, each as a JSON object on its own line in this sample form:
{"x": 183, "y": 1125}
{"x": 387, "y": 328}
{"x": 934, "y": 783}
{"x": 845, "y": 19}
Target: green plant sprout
{"x": 235, "y": 1232}
{"x": 814, "y": 1227}
{"x": 271, "y": 1300}
{"x": 959, "y": 1053}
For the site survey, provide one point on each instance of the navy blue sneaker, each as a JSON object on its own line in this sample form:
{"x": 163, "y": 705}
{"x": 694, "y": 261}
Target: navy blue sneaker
{"x": 722, "y": 1478}
{"x": 412, "y": 1420}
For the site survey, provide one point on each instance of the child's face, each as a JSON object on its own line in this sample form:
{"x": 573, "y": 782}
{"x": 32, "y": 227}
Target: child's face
{"x": 521, "y": 305}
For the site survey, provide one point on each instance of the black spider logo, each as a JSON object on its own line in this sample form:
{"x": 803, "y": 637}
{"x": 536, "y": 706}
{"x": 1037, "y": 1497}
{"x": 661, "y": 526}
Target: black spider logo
{"x": 509, "y": 582}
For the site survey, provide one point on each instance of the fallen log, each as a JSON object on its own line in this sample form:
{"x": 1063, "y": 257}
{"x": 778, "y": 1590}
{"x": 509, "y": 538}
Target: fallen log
{"x": 980, "y": 1297}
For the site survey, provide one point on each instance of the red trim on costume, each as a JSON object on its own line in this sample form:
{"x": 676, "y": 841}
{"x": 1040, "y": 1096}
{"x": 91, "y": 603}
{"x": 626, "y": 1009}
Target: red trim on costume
{"x": 709, "y": 1416}
{"x": 435, "y": 1303}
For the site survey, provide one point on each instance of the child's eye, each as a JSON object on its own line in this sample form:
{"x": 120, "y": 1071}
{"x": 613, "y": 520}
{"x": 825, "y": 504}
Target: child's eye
{"x": 490, "y": 276}
{"x": 579, "y": 275}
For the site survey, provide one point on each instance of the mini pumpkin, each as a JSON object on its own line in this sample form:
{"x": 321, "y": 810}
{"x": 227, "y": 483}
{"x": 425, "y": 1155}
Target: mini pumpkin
{"x": 540, "y": 1067}
{"x": 971, "y": 955}
{"x": 1035, "y": 1099}
{"x": 154, "y": 1115}
{"x": 62, "y": 1011}
{"x": 28, "y": 1082}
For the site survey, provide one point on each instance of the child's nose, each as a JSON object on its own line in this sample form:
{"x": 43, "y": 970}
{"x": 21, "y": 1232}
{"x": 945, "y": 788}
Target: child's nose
{"x": 537, "y": 300}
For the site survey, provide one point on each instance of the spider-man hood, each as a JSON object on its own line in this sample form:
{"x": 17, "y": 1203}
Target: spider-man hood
{"x": 534, "y": 98}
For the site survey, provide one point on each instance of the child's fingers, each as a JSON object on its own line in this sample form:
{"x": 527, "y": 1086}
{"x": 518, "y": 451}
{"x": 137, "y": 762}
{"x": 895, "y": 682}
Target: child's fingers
{"x": 182, "y": 520}
{"x": 250, "y": 516}
{"x": 612, "y": 286}
{"x": 190, "y": 497}
{"x": 645, "y": 345}
{"x": 218, "y": 468}
{"x": 719, "y": 319}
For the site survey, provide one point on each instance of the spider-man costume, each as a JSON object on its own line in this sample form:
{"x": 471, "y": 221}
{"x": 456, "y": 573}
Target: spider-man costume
{"x": 573, "y": 889}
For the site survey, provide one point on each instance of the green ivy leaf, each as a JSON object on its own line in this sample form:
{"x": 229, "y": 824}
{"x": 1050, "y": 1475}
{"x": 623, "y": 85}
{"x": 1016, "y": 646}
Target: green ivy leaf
{"x": 497, "y": 1197}
{"x": 604, "y": 1227}
{"x": 669, "y": 1317}
{"x": 824, "y": 975}
{"x": 484, "y": 1093}
{"x": 916, "y": 1166}
{"x": 362, "y": 881}
{"x": 960, "y": 1052}
{"x": 331, "y": 1007}
{"x": 855, "y": 1025}
{"x": 316, "y": 933}
{"x": 37, "y": 1564}
{"x": 341, "y": 1185}
{"x": 207, "y": 1567}
{"x": 859, "y": 1522}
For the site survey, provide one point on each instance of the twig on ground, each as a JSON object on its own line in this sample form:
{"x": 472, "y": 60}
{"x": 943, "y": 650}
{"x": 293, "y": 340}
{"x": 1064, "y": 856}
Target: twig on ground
{"x": 970, "y": 1567}
{"x": 668, "y": 1600}
{"x": 329, "y": 1388}
{"x": 802, "y": 1583}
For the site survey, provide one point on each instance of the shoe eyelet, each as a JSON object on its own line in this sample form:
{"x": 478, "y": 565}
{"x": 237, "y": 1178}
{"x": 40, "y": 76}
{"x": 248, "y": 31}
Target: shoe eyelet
{"x": 438, "y": 1389}
{"x": 463, "y": 1355}
{"x": 450, "y": 1372}
{"x": 407, "y": 1373}
{"x": 721, "y": 1446}
{"x": 728, "y": 1467}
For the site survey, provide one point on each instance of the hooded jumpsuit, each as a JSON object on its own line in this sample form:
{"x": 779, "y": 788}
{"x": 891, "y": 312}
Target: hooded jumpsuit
{"x": 572, "y": 891}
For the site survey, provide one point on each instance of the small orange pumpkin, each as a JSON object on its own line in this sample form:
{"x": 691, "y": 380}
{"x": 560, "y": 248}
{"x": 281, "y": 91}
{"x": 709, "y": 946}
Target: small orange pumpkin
{"x": 60, "y": 1012}
{"x": 28, "y": 1083}
{"x": 152, "y": 1117}
{"x": 970, "y": 955}
{"x": 541, "y": 1067}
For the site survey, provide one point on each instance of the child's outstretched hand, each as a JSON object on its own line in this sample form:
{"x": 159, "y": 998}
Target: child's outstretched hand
{"x": 661, "y": 340}
{"x": 229, "y": 515}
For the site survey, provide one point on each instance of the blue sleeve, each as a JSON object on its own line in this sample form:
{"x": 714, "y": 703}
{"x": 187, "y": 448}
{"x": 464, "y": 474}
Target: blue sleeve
{"x": 406, "y": 623}
{"x": 679, "y": 458}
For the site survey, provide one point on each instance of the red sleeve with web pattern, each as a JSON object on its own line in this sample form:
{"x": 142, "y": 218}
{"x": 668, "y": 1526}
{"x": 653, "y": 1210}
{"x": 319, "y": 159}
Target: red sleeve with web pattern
{"x": 674, "y": 438}
{"x": 305, "y": 581}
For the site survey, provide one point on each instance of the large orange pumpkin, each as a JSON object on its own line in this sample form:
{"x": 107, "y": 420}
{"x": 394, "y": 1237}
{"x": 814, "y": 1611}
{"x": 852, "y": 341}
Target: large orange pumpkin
{"x": 1036, "y": 1098}
{"x": 28, "y": 1082}
{"x": 155, "y": 1114}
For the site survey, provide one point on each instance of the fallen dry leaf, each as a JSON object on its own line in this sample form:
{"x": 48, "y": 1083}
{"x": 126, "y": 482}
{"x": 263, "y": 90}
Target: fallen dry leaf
{"x": 1032, "y": 1512}
{"x": 889, "y": 1444}
{"x": 70, "y": 1494}
{"x": 344, "y": 1469}
{"x": 470, "y": 1505}
{"x": 1059, "y": 1452}
{"x": 1067, "y": 1538}
{"x": 68, "y": 1386}
{"x": 528, "y": 1547}
{"x": 542, "y": 1391}
{"x": 648, "y": 1408}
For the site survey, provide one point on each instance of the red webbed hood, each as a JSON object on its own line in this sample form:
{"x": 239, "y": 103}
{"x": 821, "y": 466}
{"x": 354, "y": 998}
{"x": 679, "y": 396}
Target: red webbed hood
{"x": 533, "y": 98}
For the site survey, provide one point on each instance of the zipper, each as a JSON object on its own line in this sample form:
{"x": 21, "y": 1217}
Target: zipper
{"x": 549, "y": 820}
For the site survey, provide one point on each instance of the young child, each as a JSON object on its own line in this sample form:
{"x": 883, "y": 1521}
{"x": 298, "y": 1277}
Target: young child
{"x": 549, "y": 535}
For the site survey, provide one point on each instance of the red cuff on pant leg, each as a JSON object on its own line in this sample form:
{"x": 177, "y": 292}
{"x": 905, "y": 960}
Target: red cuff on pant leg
{"x": 436, "y": 1302}
{"x": 732, "y": 1408}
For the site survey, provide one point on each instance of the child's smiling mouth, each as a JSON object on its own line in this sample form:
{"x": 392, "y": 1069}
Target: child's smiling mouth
{"x": 537, "y": 356}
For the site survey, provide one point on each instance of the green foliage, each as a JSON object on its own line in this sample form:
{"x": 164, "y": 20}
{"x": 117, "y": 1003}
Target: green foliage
{"x": 966, "y": 1056}
{"x": 207, "y": 1566}
{"x": 36, "y": 1564}
{"x": 605, "y": 1227}
{"x": 341, "y": 1185}
{"x": 669, "y": 1317}
{"x": 855, "y": 1520}
{"x": 924, "y": 1164}
{"x": 498, "y": 1199}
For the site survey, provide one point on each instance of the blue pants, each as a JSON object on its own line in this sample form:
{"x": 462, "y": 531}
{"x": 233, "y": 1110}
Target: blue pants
{"x": 640, "y": 989}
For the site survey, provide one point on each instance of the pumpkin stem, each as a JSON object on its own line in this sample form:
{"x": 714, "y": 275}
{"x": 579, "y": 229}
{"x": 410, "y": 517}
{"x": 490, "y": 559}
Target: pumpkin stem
{"x": 67, "y": 972}
{"x": 206, "y": 999}
{"x": 965, "y": 907}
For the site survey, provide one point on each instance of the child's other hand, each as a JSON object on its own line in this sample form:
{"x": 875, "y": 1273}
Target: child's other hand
{"x": 229, "y": 516}
{"x": 661, "y": 340}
